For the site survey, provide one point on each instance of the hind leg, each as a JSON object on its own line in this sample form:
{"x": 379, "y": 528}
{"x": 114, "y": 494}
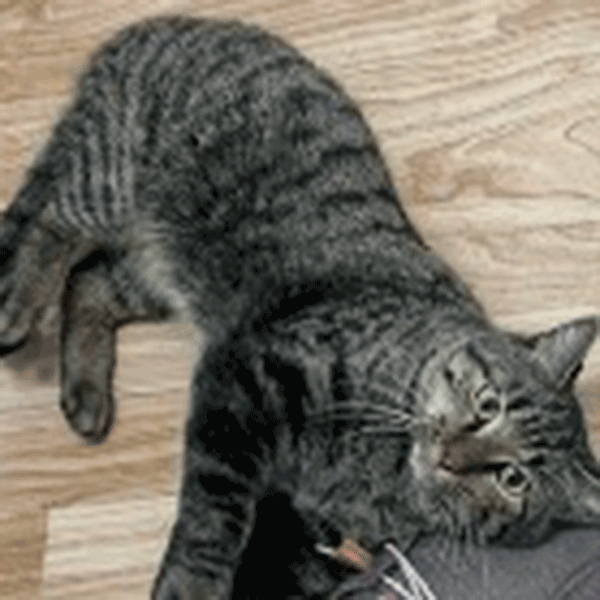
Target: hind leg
{"x": 92, "y": 311}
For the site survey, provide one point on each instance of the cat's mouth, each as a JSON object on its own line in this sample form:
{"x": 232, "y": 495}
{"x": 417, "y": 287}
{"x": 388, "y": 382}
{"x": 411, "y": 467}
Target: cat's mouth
{"x": 451, "y": 457}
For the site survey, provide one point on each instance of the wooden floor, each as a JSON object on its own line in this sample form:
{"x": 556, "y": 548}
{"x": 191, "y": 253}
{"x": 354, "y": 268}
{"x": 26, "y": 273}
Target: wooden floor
{"x": 489, "y": 114}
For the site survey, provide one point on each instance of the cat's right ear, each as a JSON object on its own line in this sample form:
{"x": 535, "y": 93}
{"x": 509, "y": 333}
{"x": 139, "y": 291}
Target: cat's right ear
{"x": 560, "y": 352}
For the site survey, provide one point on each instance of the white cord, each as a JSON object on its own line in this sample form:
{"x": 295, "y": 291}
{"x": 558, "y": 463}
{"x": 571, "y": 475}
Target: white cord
{"x": 419, "y": 588}
{"x": 399, "y": 588}
{"x": 327, "y": 550}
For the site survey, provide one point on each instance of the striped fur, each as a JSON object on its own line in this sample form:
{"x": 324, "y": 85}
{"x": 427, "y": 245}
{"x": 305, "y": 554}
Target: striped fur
{"x": 352, "y": 385}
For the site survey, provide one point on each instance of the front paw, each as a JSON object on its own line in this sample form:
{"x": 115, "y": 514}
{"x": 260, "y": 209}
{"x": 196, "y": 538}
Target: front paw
{"x": 177, "y": 583}
{"x": 89, "y": 411}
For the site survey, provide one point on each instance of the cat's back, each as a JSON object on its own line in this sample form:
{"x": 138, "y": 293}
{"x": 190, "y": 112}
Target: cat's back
{"x": 236, "y": 152}
{"x": 203, "y": 81}
{"x": 229, "y": 115}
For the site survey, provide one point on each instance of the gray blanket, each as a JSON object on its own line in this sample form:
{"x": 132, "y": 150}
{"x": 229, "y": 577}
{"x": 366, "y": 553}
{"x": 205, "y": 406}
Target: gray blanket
{"x": 565, "y": 568}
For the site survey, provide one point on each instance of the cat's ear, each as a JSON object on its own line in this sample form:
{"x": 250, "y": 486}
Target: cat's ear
{"x": 561, "y": 351}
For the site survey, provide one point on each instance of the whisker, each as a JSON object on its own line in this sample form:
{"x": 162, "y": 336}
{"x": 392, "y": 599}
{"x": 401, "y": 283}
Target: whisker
{"x": 356, "y": 410}
{"x": 409, "y": 424}
{"x": 384, "y": 432}
{"x": 453, "y": 529}
{"x": 367, "y": 406}
{"x": 446, "y": 553}
{"x": 470, "y": 545}
{"x": 364, "y": 415}
{"x": 374, "y": 420}
{"x": 479, "y": 533}
{"x": 400, "y": 427}
{"x": 387, "y": 426}
{"x": 368, "y": 420}
{"x": 454, "y": 554}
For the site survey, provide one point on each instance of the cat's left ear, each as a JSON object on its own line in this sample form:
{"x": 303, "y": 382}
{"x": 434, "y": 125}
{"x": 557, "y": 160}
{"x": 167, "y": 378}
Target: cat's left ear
{"x": 561, "y": 351}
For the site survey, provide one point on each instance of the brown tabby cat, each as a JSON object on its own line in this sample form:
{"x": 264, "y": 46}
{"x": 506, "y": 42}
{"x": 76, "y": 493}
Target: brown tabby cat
{"x": 352, "y": 386}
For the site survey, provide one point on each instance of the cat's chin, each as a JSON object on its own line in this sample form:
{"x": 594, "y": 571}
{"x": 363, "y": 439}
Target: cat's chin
{"x": 425, "y": 463}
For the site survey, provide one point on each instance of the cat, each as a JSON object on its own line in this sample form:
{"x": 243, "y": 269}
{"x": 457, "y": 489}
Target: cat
{"x": 351, "y": 386}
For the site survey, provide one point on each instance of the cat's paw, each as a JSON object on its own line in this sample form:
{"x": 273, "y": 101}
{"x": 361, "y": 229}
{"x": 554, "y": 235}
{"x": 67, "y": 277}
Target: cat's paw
{"x": 177, "y": 583}
{"x": 89, "y": 411}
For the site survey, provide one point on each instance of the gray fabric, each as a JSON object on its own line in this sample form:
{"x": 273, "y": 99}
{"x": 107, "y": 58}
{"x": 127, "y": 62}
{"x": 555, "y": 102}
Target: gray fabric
{"x": 565, "y": 568}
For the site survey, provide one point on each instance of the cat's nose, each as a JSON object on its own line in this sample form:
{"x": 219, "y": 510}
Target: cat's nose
{"x": 460, "y": 453}
{"x": 453, "y": 460}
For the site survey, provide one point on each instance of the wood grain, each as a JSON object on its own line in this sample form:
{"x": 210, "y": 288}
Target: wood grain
{"x": 489, "y": 114}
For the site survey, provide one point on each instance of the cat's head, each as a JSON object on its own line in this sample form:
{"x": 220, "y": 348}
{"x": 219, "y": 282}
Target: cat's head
{"x": 500, "y": 450}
